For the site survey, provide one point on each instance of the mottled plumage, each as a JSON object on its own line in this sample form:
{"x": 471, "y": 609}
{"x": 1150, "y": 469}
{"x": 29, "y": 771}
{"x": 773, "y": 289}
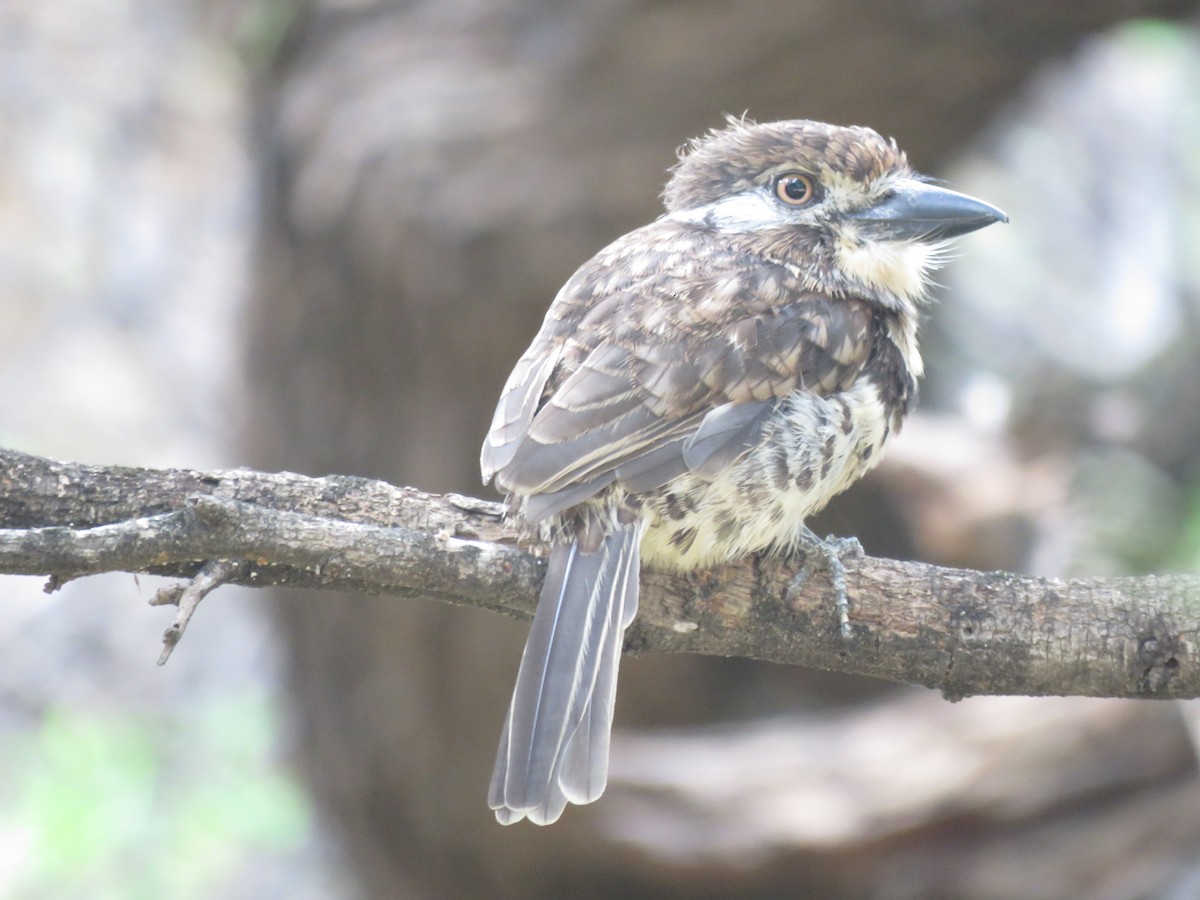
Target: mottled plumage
{"x": 698, "y": 389}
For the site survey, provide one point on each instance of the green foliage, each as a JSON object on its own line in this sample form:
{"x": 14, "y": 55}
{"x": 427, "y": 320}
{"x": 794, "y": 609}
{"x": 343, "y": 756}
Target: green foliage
{"x": 126, "y": 805}
{"x": 1189, "y": 543}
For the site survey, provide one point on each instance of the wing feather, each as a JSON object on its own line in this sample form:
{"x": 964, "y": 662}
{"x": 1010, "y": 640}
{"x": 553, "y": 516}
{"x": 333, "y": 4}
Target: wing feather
{"x": 644, "y": 381}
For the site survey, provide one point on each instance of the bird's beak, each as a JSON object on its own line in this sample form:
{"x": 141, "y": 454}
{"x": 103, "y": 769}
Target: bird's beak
{"x": 918, "y": 211}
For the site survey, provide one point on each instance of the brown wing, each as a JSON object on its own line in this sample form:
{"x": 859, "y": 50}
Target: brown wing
{"x": 672, "y": 373}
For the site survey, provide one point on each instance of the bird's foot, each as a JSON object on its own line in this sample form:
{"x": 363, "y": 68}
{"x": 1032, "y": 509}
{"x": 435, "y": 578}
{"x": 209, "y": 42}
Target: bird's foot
{"x": 827, "y": 553}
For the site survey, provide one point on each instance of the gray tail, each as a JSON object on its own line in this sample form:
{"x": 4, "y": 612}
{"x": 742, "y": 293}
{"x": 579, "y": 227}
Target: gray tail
{"x": 554, "y": 747}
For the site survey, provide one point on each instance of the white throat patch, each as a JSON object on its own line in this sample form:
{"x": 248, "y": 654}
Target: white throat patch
{"x": 900, "y": 268}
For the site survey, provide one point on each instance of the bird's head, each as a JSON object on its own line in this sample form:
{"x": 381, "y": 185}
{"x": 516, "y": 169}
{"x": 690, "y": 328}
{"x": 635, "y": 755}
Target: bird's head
{"x": 839, "y": 203}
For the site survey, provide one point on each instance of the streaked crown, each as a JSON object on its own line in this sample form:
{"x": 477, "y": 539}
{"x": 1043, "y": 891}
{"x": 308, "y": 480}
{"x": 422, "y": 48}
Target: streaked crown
{"x": 745, "y": 155}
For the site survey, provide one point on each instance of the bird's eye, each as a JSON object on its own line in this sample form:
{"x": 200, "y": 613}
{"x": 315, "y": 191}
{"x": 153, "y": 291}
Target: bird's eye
{"x": 796, "y": 189}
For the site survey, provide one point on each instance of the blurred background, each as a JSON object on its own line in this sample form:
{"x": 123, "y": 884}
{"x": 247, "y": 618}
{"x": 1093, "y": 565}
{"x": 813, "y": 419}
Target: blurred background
{"x": 316, "y": 234}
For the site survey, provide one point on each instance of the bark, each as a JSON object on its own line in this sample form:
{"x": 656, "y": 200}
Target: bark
{"x": 962, "y": 632}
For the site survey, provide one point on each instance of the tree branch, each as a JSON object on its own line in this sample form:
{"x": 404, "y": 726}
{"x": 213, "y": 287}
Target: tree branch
{"x": 960, "y": 631}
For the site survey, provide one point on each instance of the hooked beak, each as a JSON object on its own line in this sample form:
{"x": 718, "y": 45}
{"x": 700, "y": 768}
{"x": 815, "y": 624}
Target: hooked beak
{"x": 918, "y": 211}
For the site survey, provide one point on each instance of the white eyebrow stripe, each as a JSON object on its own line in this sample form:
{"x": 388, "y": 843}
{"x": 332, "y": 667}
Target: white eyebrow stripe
{"x": 740, "y": 213}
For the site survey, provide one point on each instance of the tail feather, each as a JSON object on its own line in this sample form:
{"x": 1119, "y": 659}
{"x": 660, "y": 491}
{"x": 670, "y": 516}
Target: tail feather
{"x": 583, "y": 767}
{"x": 554, "y": 747}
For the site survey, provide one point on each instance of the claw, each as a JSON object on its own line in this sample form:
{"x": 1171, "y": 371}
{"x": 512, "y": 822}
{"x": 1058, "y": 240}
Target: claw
{"x": 827, "y": 553}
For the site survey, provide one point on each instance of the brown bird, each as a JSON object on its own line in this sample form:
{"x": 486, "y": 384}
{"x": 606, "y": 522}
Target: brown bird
{"x": 697, "y": 390}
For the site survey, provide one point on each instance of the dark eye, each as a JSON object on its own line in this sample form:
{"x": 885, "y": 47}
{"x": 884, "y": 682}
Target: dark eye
{"x": 796, "y": 189}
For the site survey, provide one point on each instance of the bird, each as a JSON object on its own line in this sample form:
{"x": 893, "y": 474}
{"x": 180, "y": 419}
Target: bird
{"x": 696, "y": 391}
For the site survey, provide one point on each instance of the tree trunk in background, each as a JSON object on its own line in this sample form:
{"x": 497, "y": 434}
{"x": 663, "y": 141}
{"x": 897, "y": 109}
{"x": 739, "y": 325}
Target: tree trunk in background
{"x": 431, "y": 172}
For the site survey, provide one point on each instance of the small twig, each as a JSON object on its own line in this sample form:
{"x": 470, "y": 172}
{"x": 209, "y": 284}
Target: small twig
{"x": 55, "y": 583}
{"x": 188, "y": 596}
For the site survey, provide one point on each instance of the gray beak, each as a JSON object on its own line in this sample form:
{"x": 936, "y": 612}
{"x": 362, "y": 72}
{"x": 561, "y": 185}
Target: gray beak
{"x": 916, "y": 211}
